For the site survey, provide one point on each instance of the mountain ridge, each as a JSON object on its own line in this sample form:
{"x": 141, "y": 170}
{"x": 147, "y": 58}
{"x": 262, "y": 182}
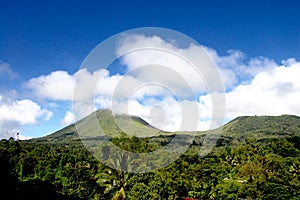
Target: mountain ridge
{"x": 242, "y": 127}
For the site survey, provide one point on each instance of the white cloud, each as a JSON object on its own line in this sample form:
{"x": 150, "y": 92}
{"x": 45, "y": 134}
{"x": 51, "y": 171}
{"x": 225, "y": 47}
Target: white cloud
{"x": 165, "y": 114}
{"x": 257, "y": 65}
{"x": 234, "y": 68}
{"x": 254, "y": 86}
{"x": 5, "y": 70}
{"x": 23, "y": 111}
{"x": 175, "y": 67}
{"x": 15, "y": 113}
{"x": 257, "y": 87}
{"x": 289, "y": 61}
{"x": 271, "y": 92}
{"x": 68, "y": 119}
{"x": 58, "y": 85}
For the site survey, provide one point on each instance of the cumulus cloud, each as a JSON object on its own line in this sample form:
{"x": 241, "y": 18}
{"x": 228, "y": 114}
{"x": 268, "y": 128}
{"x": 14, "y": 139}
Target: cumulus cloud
{"x": 15, "y": 113}
{"x": 255, "y": 86}
{"x": 58, "y": 85}
{"x": 68, "y": 119}
{"x": 175, "y": 67}
{"x": 271, "y": 92}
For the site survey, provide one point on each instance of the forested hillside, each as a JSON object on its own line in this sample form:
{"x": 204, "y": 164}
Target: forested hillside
{"x": 263, "y": 166}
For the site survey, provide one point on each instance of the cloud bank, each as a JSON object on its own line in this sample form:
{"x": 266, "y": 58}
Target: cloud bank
{"x": 253, "y": 86}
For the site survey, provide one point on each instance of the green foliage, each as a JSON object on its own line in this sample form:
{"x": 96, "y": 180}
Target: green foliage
{"x": 262, "y": 127}
{"x": 264, "y": 167}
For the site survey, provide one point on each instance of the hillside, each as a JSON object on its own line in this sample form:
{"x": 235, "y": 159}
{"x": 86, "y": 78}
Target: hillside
{"x": 261, "y": 127}
{"x": 237, "y": 130}
{"x": 255, "y": 158}
{"x": 109, "y": 124}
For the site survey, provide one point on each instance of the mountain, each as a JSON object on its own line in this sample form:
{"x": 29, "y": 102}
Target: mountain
{"x": 257, "y": 127}
{"x": 109, "y": 124}
{"x": 254, "y": 157}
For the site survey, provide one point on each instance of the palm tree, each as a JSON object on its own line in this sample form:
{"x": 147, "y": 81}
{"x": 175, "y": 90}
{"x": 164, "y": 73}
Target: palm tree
{"x": 113, "y": 179}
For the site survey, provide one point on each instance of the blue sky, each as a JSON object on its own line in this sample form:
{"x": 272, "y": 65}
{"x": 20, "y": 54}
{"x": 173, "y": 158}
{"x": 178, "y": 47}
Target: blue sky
{"x": 38, "y": 38}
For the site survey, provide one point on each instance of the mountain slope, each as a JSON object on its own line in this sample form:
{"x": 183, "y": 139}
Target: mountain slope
{"x": 109, "y": 124}
{"x": 257, "y": 127}
{"x": 284, "y": 125}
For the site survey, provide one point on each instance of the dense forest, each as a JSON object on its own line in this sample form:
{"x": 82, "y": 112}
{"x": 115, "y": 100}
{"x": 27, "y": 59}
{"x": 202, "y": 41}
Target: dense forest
{"x": 256, "y": 170}
{"x": 253, "y": 168}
